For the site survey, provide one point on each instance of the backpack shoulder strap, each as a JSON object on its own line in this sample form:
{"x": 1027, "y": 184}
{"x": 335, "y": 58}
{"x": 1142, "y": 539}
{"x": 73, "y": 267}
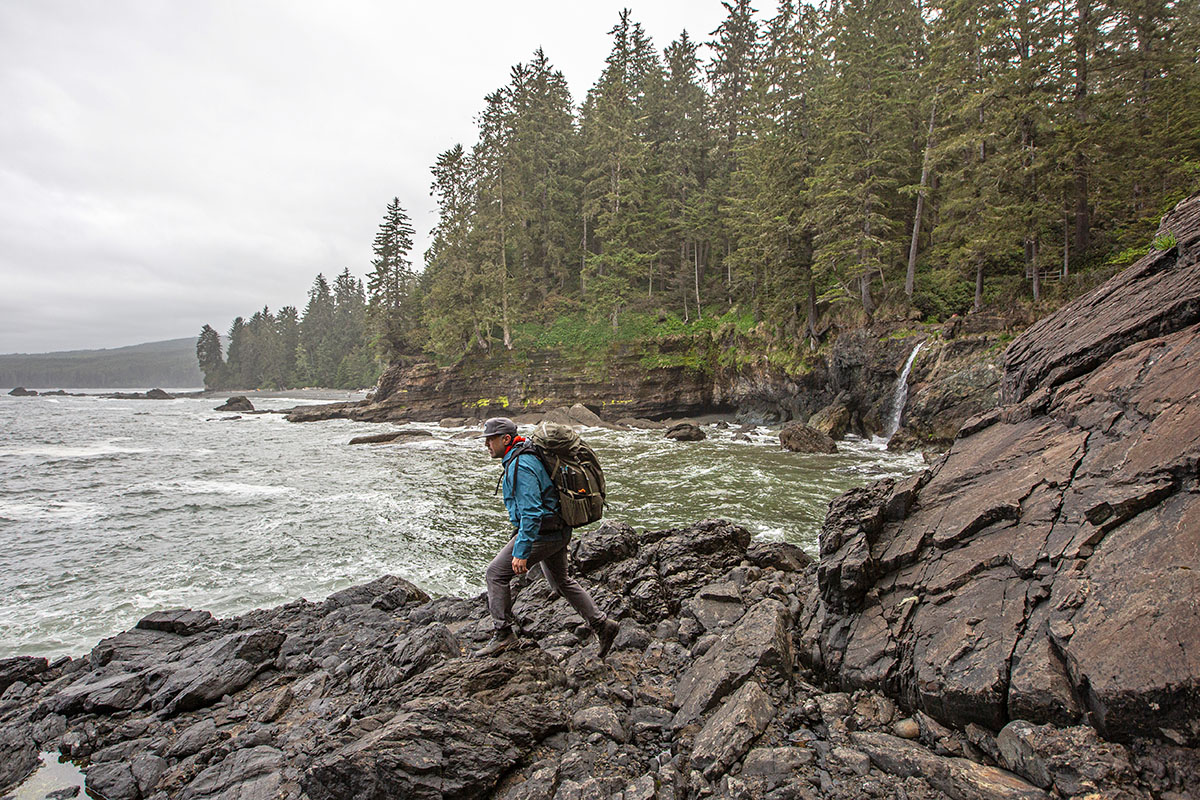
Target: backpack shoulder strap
{"x": 542, "y": 457}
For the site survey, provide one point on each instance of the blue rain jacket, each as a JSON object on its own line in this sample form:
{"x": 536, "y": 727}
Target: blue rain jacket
{"x": 534, "y": 499}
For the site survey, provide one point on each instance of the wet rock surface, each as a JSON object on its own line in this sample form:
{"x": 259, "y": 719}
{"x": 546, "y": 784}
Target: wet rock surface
{"x": 1044, "y": 568}
{"x": 686, "y": 432}
{"x": 391, "y": 436}
{"x": 236, "y": 403}
{"x": 800, "y": 438}
{"x": 373, "y": 693}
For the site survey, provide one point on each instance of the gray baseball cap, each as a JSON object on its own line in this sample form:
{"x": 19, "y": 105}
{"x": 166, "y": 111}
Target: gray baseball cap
{"x": 498, "y": 426}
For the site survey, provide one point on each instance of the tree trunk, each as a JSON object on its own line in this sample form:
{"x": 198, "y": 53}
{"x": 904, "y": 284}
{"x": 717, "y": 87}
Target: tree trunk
{"x": 811, "y": 321}
{"x": 864, "y": 280}
{"x": 911, "y": 275}
{"x": 583, "y": 260}
{"x": 1037, "y": 275}
{"x": 978, "y": 306}
{"x": 1066, "y": 262}
{"x": 682, "y": 265}
{"x": 696, "y": 273}
{"x": 1083, "y": 35}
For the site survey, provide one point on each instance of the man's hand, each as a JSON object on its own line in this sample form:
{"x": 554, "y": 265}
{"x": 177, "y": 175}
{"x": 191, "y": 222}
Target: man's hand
{"x": 520, "y": 566}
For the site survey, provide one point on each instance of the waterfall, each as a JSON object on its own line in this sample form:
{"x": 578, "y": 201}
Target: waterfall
{"x": 900, "y": 395}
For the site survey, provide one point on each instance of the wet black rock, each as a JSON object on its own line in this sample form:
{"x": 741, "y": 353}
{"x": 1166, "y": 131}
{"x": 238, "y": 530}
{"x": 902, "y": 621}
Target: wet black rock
{"x": 373, "y": 693}
{"x": 236, "y": 403}
{"x": 686, "y": 432}
{"x": 799, "y": 438}
{"x": 391, "y": 436}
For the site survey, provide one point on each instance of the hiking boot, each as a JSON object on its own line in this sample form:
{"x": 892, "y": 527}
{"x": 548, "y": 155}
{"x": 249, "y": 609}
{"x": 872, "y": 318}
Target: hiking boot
{"x": 501, "y": 640}
{"x": 605, "y": 634}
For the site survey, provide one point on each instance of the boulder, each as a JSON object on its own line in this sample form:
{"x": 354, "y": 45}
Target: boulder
{"x": 582, "y": 415}
{"x": 388, "y": 589}
{"x": 1074, "y": 761}
{"x": 221, "y": 667}
{"x": 113, "y": 781}
{"x": 833, "y": 420}
{"x": 958, "y": 777}
{"x": 760, "y": 640}
{"x": 989, "y": 588}
{"x": 236, "y": 403}
{"x": 21, "y": 668}
{"x": 717, "y": 605}
{"x": 685, "y": 432}
{"x": 598, "y": 719}
{"x": 252, "y": 773}
{"x": 153, "y": 394}
{"x": 800, "y": 438}
{"x": 181, "y": 621}
{"x": 18, "y": 754}
{"x": 391, "y": 436}
{"x": 21, "y": 391}
{"x": 322, "y": 411}
{"x": 727, "y": 735}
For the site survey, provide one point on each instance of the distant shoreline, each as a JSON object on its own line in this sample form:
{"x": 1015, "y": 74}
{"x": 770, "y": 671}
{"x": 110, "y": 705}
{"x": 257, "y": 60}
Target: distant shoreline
{"x": 307, "y": 393}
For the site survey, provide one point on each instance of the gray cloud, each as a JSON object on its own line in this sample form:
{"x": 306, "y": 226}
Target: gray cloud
{"x": 164, "y": 165}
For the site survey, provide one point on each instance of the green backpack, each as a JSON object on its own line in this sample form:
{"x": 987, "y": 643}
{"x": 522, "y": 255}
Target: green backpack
{"x": 573, "y": 469}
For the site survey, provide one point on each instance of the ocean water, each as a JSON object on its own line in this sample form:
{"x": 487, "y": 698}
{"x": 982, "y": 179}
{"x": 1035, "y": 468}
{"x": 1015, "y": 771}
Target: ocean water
{"x": 110, "y": 509}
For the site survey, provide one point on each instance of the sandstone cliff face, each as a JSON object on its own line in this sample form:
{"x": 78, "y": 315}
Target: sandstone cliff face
{"x": 1047, "y": 567}
{"x": 951, "y": 381}
{"x": 503, "y": 384}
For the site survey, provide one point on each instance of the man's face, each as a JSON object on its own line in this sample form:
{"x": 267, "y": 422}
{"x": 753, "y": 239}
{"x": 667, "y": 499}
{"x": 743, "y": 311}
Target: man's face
{"x": 496, "y": 445}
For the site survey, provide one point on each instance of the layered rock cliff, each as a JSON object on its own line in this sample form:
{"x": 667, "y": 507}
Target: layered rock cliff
{"x": 1047, "y": 567}
{"x": 955, "y": 377}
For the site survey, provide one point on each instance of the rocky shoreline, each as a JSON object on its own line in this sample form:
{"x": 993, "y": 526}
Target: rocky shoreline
{"x": 372, "y": 693}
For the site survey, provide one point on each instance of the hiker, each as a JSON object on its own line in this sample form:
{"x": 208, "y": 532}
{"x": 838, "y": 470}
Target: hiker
{"x": 540, "y": 537}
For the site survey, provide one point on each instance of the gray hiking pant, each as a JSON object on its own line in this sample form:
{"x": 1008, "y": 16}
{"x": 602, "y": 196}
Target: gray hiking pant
{"x": 552, "y": 555}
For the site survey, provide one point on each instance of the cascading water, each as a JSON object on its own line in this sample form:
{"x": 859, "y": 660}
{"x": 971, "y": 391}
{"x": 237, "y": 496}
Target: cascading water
{"x": 900, "y": 395}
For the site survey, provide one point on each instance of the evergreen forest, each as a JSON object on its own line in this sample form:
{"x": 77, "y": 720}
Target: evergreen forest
{"x": 822, "y": 165}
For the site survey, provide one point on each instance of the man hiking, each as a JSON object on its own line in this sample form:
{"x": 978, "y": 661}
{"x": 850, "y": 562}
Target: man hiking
{"x": 540, "y": 538}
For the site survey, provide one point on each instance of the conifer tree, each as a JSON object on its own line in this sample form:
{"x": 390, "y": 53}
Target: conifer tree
{"x": 208, "y": 354}
{"x": 867, "y": 118}
{"x": 236, "y": 357}
{"x": 685, "y": 145}
{"x": 616, "y": 154}
{"x": 287, "y": 325}
{"x": 394, "y": 314}
{"x": 772, "y": 260}
{"x": 316, "y": 334}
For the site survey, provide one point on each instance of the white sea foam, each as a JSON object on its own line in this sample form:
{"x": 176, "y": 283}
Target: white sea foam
{"x": 93, "y": 450}
{"x": 69, "y": 512}
{"x": 202, "y": 487}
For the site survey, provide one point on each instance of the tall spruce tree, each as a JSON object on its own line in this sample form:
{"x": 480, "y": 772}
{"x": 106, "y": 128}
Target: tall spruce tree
{"x": 316, "y": 334}
{"x": 208, "y": 354}
{"x": 685, "y": 146}
{"x": 391, "y": 286}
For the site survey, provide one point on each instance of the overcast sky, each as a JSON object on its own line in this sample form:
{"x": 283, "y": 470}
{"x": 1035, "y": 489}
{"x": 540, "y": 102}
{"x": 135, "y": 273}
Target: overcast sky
{"x": 166, "y": 164}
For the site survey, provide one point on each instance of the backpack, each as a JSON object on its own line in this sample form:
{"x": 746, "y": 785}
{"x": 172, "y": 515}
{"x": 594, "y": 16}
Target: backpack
{"x": 573, "y": 469}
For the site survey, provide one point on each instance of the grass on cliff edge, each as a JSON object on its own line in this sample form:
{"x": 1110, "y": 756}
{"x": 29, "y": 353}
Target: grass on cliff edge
{"x": 593, "y": 339}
